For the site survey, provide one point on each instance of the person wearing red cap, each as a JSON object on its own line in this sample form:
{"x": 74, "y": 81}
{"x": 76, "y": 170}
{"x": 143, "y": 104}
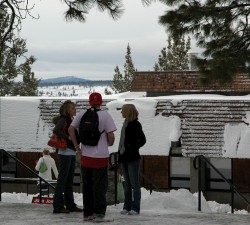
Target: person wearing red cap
{"x": 95, "y": 99}
{"x": 94, "y": 161}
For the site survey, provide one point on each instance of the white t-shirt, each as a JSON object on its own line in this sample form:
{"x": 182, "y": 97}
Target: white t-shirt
{"x": 105, "y": 123}
{"x": 50, "y": 162}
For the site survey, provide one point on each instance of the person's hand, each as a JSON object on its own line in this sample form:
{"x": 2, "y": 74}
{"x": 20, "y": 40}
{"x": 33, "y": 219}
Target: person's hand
{"x": 78, "y": 150}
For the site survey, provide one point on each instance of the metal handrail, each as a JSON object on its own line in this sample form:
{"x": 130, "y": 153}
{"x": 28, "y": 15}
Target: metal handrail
{"x": 113, "y": 162}
{"x": 151, "y": 183}
{"x": 2, "y": 151}
{"x": 232, "y": 187}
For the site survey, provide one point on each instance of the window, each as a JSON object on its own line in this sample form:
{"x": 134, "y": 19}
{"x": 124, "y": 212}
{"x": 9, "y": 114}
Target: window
{"x": 179, "y": 169}
{"x": 214, "y": 180}
{"x": 9, "y": 166}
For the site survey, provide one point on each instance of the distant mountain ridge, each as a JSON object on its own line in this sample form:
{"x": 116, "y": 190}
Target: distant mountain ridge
{"x": 71, "y": 80}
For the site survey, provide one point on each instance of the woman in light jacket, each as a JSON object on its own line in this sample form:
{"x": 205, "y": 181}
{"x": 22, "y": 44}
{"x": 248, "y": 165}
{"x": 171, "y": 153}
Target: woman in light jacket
{"x": 47, "y": 175}
{"x": 50, "y": 163}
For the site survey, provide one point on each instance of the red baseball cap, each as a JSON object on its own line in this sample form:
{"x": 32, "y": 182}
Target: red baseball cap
{"x": 95, "y": 98}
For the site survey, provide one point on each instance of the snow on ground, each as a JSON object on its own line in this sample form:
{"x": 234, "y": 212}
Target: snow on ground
{"x": 176, "y": 207}
{"x": 71, "y": 90}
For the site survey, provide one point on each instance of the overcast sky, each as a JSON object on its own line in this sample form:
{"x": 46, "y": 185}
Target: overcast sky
{"x": 91, "y": 50}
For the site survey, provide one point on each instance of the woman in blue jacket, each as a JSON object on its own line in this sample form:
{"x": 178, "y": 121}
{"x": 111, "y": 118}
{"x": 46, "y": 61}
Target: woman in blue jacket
{"x": 131, "y": 139}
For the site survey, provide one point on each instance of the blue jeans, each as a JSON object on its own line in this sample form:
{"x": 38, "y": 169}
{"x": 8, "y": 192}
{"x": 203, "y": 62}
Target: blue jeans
{"x": 63, "y": 195}
{"x": 132, "y": 187}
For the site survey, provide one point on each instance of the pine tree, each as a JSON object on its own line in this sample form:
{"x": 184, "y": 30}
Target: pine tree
{"x": 220, "y": 27}
{"x": 117, "y": 84}
{"x": 175, "y": 58}
{"x": 123, "y": 83}
{"x": 79, "y": 9}
{"x": 129, "y": 70}
{"x": 107, "y": 92}
{"x": 162, "y": 64}
{"x": 29, "y": 85}
{"x": 13, "y": 63}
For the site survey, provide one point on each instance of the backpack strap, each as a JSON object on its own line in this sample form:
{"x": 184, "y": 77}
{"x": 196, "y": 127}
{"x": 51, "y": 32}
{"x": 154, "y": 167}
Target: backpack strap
{"x": 95, "y": 109}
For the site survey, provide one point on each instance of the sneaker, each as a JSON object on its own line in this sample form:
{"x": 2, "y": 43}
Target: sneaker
{"x": 98, "y": 218}
{"x": 63, "y": 210}
{"x": 88, "y": 218}
{"x": 76, "y": 209}
{"x": 133, "y": 212}
{"x": 124, "y": 212}
{"x": 96, "y": 215}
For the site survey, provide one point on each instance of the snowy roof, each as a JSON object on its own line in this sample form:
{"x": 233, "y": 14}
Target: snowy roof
{"x": 212, "y": 125}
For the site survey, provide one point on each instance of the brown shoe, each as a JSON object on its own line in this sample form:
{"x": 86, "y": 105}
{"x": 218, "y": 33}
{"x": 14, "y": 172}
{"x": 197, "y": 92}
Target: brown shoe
{"x": 76, "y": 209}
{"x": 63, "y": 210}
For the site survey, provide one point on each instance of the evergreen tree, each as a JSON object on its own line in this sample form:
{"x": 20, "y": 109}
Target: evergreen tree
{"x": 129, "y": 70}
{"x": 220, "y": 27}
{"x": 176, "y": 57}
{"x": 117, "y": 84}
{"x": 123, "y": 83}
{"x": 107, "y": 92}
{"x": 79, "y": 9}
{"x": 162, "y": 64}
{"x": 16, "y": 12}
{"x": 13, "y": 63}
{"x": 29, "y": 85}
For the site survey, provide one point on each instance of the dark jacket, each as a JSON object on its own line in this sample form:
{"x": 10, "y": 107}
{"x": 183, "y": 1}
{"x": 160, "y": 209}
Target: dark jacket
{"x": 62, "y": 131}
{"x": 134, "y": 139}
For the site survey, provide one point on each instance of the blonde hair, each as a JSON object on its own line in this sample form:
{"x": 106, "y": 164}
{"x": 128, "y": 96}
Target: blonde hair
{"x": 130, "y": 112}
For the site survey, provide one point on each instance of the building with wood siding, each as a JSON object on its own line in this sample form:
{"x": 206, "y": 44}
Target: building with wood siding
{"x": 203, "y": 122}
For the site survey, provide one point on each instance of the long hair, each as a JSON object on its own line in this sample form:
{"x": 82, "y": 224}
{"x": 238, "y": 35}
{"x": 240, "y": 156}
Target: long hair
{"x": 63, "y": 111}
{"x": 130, "y": 112}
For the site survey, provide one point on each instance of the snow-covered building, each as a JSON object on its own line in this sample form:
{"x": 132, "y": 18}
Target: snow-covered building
{"x": 178, "y": 127}
{"x": 214, "y": 126}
